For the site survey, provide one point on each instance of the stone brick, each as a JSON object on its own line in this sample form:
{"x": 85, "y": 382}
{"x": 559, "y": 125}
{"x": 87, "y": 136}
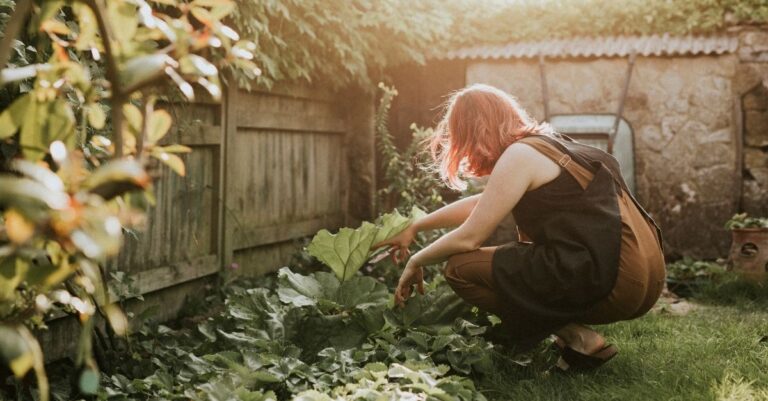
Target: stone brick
{"x": 724, "y": 135}
{"x": 755, "y": 158}
{"x": 756, "y": 100}
{"x": 756, "y": 128}
{"x": 713, "y": 154}
{"x": 756, "y": 40}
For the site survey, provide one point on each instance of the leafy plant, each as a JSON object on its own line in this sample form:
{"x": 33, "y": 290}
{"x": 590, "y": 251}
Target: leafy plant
{"x": 346, "y": 251}
{"x": 742, "y": 220}
{"x": 409, "y": 182}
{"x": 299, "y": 337}
{"x": 67, "y": 194}
{"x": 688, "y": 269}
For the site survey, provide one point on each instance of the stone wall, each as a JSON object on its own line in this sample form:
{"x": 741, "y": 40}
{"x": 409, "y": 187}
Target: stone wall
{"x": 681, "y": 110}
{"x": 752, "y": 76}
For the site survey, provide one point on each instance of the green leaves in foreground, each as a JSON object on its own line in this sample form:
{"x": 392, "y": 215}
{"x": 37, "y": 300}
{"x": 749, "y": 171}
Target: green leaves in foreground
{"x": 346, "y": 251}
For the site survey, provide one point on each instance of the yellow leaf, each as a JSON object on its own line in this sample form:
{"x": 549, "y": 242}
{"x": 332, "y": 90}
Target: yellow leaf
{"x": 133, "y": 117}
{"x": 117, "y": 319}
{"x": 159, "y": 123}
{"x": 13, "y": 116}
{"x": 96, "y": 116}
{"x": 22, "y": 364}
{"x": 172, "y": 161}
{"x": 18, "y": 228}
{"x": 203, "y": 15}
{"x": 54, "y": 26}
{"x": 175, "y": 149}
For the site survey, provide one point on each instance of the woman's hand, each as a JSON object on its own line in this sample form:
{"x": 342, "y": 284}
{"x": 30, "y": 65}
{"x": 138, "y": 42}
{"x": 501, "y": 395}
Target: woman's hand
{"x": 412, "y": 275}
{"x": 399, "y": 244}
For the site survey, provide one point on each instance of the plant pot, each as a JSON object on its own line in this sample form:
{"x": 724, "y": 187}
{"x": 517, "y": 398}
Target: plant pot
{"x": 749, "y": 253}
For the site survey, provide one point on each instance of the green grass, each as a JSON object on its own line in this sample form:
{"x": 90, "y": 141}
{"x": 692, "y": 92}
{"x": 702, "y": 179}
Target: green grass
{"x": 718, "y": 351}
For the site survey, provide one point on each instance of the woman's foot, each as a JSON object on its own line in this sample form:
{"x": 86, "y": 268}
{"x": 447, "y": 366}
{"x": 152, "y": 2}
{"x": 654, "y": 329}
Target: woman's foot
{"x": 580, "y": 338}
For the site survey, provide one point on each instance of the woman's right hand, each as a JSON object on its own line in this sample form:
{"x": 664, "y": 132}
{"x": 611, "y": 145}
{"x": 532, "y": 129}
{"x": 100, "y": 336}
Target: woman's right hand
{"x": 399, "y": 244}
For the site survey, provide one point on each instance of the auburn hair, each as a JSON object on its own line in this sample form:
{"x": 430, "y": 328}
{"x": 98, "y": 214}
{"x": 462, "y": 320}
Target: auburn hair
{"x": 479, "y": 122}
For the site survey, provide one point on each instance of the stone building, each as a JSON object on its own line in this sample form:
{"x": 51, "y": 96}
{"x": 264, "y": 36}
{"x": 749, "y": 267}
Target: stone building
{"x": 696, "y": 111}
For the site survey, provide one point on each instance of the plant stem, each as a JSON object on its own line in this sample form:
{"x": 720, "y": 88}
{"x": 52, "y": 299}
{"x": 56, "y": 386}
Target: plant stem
{"x": 112, "y": 75}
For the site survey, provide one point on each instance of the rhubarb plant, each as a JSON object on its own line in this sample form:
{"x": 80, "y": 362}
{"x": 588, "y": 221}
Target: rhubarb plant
{"x": 347, "y": 251}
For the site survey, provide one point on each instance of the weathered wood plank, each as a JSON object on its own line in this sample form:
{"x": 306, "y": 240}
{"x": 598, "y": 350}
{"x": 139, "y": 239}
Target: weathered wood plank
{"x": 288, "y": 114}
{"x": 201, "y": 135}
{"x": 158, "y": 278}
{"x": 298, "y": 90}
{"x": 293, "y": 122}
{"x": 257, "y": 236}
{"x": 228, "y": 175}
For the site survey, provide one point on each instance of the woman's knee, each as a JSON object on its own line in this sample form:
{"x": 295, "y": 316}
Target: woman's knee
{"x": 452, "y": 267}
{"x": 469, "y": 267}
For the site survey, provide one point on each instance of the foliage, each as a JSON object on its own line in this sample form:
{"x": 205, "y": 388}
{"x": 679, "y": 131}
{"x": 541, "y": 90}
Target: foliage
{"x": 308, "y": 337}
{"x": 346, "y": 251}
{"x": 502, "y": 21}
{"x": 688, "y": 269}
{"x": 66, "y": 194}
{"x": 409, "y": 181}
{"x": 340, "y": 42}
{"x": 742, "y": 220}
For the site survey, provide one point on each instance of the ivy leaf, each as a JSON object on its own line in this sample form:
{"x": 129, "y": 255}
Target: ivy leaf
{"x": 344, "y": 252}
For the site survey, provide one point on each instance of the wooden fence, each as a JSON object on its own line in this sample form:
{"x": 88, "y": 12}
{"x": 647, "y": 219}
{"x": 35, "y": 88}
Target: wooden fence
{"x": 267, "y": 168}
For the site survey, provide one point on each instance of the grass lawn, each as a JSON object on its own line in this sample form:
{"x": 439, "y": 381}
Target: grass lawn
{"x": 716, "y": 351}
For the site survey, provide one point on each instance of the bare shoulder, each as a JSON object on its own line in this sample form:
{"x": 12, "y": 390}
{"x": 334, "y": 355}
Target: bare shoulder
{"x": 523, "y": 159}
{"x": 521, "y": 152}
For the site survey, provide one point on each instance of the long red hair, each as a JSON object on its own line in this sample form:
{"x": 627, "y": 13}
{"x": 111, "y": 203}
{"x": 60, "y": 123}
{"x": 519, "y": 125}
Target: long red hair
{"x": 478, "y": 124}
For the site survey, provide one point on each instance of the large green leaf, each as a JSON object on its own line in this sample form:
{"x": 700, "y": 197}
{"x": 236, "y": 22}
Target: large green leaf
{"x": 346, "y": 251}
{"x": 358, "y": 292}
{"x": 440, "y": 306}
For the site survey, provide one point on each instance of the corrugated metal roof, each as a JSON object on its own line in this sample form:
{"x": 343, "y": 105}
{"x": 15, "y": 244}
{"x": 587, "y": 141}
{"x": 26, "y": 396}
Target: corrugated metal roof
{"x": 608, "y": 46}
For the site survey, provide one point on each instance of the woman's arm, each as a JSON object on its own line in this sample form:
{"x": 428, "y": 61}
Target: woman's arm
{"x": 509, "y": 180}
{"x": 448, "y": 216}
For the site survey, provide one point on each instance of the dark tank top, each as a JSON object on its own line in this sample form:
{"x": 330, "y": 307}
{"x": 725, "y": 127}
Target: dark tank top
{"x": 573, "y": 261}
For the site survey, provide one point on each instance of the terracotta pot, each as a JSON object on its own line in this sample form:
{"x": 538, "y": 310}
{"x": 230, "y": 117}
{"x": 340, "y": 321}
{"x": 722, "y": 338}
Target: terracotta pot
{"x": 749, "y": 252}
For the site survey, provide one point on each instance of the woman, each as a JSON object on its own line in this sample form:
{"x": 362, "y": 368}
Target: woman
{"x": 588, "y": 254}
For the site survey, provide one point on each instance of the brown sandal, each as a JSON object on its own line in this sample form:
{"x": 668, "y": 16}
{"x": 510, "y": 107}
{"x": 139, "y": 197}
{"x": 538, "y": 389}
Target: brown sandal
{"x": 576, "y": 360}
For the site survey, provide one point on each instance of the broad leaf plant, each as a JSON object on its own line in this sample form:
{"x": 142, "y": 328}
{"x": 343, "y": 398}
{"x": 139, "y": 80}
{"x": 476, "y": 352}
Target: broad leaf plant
{"x": 88, "y": 136}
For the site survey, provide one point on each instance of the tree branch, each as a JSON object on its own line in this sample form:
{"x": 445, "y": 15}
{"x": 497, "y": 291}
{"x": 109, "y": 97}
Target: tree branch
{"x": 112, "y": 75}
{"x": 19, "y": 17}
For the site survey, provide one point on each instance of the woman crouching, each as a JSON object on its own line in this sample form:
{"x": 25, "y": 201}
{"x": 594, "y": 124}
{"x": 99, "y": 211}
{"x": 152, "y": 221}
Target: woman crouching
{"x": 588, "y": 253}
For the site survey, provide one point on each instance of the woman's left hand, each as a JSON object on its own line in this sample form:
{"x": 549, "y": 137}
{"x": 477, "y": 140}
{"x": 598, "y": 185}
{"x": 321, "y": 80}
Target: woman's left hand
{"x": 412, "y": 275}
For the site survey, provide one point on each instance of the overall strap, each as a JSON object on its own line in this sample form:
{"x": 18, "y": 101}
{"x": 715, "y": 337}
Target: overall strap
{"x": 581, "y": 174}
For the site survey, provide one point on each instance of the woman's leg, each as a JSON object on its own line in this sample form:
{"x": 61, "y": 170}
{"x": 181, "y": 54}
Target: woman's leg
{"x": 470, "y": 275}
